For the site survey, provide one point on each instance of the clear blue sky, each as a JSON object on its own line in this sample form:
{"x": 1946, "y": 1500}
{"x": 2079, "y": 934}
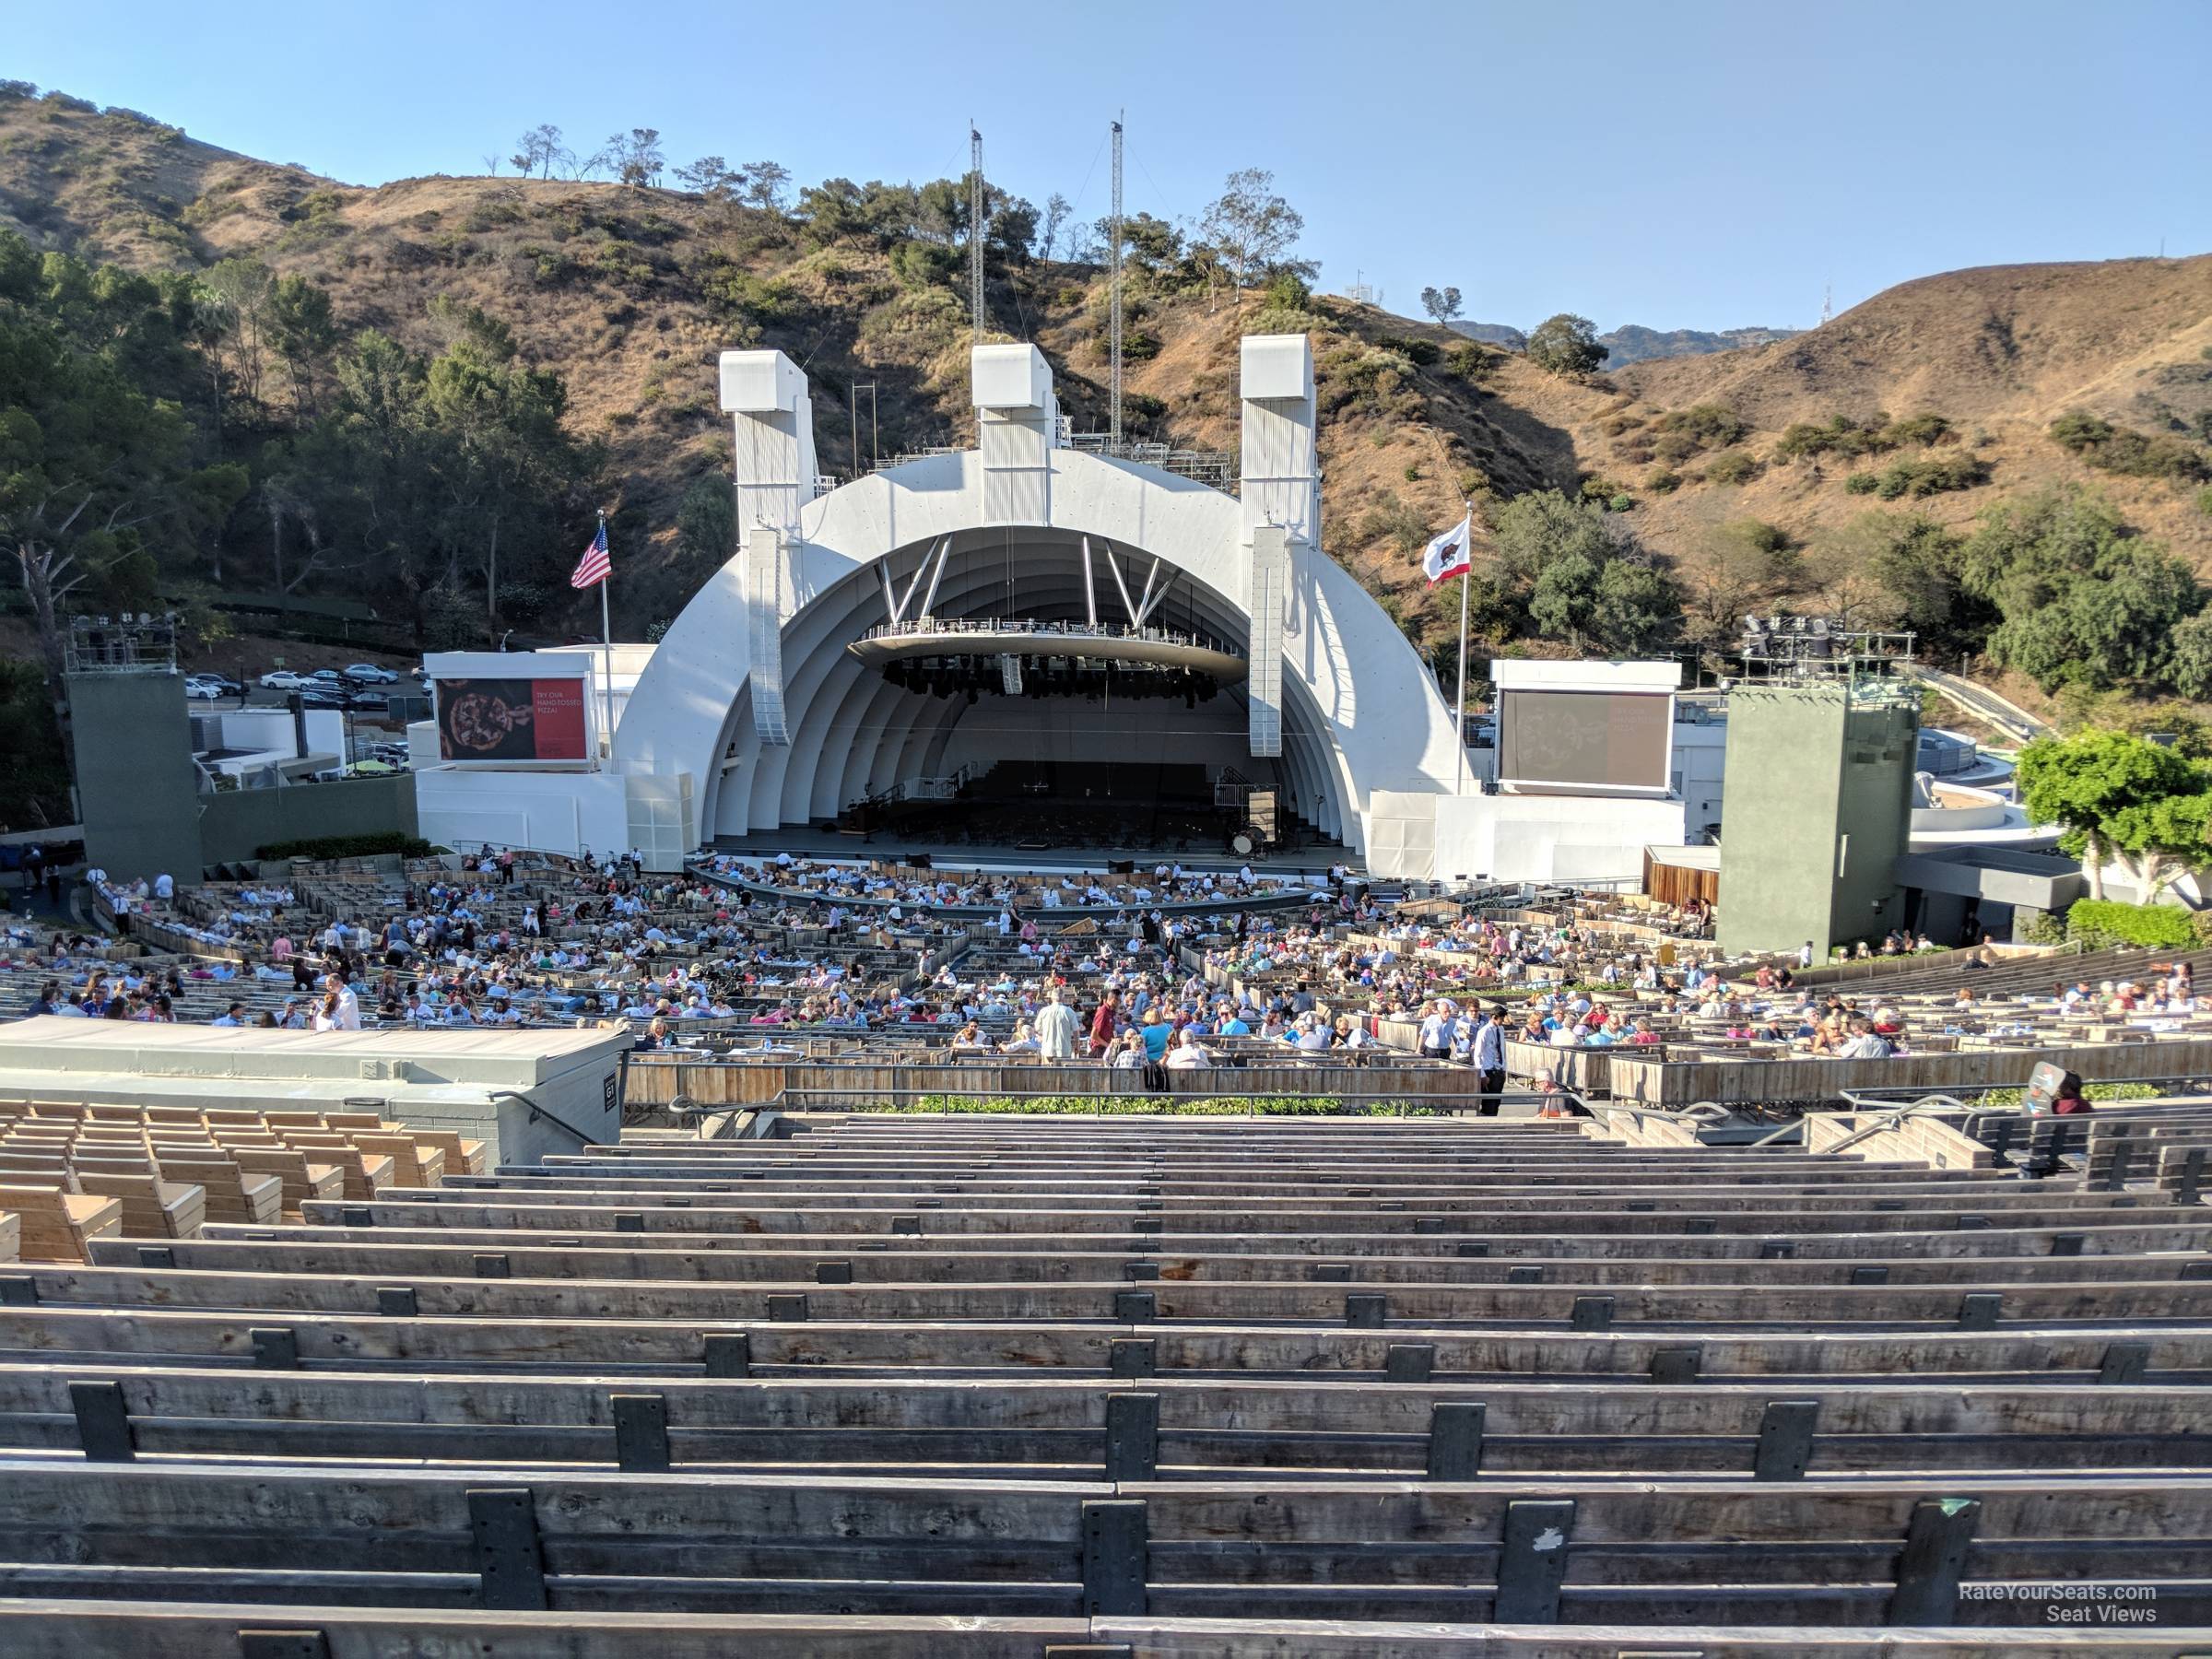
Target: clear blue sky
{"x": 1702, "y": 165}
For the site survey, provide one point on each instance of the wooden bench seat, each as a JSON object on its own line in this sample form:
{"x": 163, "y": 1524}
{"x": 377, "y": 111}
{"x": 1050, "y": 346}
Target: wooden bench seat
{"x": 152, "y": 1208}
{"x": 58, "y": 1226}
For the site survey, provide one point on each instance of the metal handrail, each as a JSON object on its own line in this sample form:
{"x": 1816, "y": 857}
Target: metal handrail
{"x": 1458, "y": 1103}
{"x": 538, "y": 1111}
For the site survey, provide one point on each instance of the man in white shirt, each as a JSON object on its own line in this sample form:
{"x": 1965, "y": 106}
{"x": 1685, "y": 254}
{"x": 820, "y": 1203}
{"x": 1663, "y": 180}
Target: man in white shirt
{"x": 1056, "y": 1027}
{"x": 349, "y": 1006}
{"x": 165, "y": 886}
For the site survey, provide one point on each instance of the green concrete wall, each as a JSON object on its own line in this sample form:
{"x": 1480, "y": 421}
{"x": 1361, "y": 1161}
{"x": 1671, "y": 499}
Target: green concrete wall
{"x": 1818, "y": 798}
{"x": 234, "y": 823}
{"x": 138, "y": 790}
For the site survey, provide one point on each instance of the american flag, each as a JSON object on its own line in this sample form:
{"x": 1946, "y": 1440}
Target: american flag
{"x": 592, "y": 568}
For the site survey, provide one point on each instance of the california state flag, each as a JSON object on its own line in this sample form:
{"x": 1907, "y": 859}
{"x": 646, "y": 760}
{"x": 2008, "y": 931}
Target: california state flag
{"x": 1451, "y": 554}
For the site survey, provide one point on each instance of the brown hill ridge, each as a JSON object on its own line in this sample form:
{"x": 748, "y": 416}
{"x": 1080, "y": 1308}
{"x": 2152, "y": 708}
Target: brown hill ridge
{"x": 2028, "y": 341}
{"x": 632, "y": 293}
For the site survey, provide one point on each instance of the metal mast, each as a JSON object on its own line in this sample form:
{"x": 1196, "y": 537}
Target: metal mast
{"x": 975, "y": 230}
{"x": 1114, "y": 325}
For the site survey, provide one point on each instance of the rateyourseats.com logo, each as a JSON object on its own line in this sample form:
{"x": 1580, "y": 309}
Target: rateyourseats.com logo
{"x": 2071, "y": 1604}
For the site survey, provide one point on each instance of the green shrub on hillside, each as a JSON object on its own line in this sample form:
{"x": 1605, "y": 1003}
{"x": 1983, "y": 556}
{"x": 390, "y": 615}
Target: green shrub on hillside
{"x": 1931, "y": 476}
{"x": 1421, "y": 353}
{"x": 1862, "y": 484}
{"x": 1844, "y": 436}
{"x": 1565, "y": 345}
{"x": 2098, "y": 924}
{"x": 2122, "y": 450}
{"x": 1665, "y": 481}
{"x": 2204, "y": 501}
{"x": 1680, "y": 433}
{"x": 1732, "y": 466}
{"x": 1472, "y": 363}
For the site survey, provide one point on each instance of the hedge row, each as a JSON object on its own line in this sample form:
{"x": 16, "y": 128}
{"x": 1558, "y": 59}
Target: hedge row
{"x": 1158, "y": 1106}
{"x": 348, "y": 846}
{"x": 2101, "y": 922}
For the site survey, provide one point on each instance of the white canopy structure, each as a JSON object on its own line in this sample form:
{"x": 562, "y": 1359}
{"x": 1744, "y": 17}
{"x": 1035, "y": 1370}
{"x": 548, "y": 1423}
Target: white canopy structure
{"x": 756, "y": 696}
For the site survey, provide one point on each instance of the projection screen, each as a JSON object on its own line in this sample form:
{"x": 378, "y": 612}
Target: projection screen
{"x": 1585, "y": 739}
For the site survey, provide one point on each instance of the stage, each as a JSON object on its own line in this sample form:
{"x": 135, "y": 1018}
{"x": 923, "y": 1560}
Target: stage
{"x": 1006, "y": 857}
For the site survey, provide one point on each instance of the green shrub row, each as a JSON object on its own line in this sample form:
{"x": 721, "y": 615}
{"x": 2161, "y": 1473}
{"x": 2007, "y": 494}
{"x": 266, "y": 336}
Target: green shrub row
{"x": 348, "y": 846}
{"x": 1158, "y": 1106}
{"x": 1929, "y": 476}
{"x": 2118, "y": 449}
{"x": 2102, "y": 923}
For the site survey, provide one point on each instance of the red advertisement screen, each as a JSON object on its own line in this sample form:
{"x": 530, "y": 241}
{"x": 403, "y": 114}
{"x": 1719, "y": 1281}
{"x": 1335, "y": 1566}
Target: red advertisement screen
{"x": 511, "y": 720}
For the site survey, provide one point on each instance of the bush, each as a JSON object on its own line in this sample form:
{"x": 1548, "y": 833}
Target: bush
{"x": 1860, "y": 484}
{"x": 1566, "y": 345}
{"x": 1472, "y": 363}
{"x": 1665, "y": 481}
{"x": 2100, "y": 924}
{"x": 1159, "y": 1105}
{"x": 1929, "y": 476}
{"x": 1732, "y": 466}
{"x": 2204, "y": 501}
{"x": 2121, "y": 449}
{"x": 1681, "y": 433}
{"x": 1421, "y": 353}
{"x": 348, "y": 846}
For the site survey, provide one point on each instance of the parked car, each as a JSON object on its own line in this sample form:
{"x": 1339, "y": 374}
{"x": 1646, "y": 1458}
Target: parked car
{"x": 328, "y": 676}
{"x": 365, "y": 699}
{"x": 197, "y": 689}
{"x": 284, "y": 679}
{"x": 369, "y": 674}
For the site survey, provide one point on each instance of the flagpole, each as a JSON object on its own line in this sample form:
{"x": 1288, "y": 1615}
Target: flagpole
{"x": 1459, "y": 723}
{"x": 607, "y": 644}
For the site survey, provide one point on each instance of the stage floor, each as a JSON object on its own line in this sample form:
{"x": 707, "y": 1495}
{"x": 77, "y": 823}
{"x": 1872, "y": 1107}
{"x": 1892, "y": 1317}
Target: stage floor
{"x": 892, "y": 848}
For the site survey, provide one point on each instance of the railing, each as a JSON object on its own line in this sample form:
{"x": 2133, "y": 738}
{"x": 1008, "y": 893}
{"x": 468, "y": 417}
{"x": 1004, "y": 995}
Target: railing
{"x": 924, "y": 627}
{"x": 792, "y": 1099}
{"x": 1215, "y": 468}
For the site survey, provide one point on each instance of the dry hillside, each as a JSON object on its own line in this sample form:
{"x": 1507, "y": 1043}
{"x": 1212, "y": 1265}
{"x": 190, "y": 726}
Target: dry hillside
{"x": 631, "y": 293}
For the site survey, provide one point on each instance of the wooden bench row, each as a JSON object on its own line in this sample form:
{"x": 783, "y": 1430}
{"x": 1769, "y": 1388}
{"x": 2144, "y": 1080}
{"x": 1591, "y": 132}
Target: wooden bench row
{"x": 1817, "y": 1550}
{"x": 494, "y": 1290}
{"x": 405, "y": 1331}
{"x": 1074, "y": 1429}
{"x": 436, "y": 1253}
{"x": 2154, "y": 1231}
{"x": 865, "y": 1213}
{"x": 119, "y": 1629}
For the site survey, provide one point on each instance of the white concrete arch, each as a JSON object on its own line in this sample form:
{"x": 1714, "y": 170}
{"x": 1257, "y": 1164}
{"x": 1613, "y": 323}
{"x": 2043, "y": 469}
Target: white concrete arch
{"x": 1359, "y": 711}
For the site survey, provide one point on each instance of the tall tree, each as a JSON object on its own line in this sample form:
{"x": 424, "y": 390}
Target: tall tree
{"x": 1566, "y": 345}
{"x": 98, "y": 479}
{"x": 1056, "y": 209}
{"x": 539, "y": 151}
{"x": 634, "y": 157}
{"x": 708, "y": 176}
{"x": 2115, "y": 795}
{"x": 303, "y": 331}
{"x": 1253, "y": 229}
{"x": 1441, "y": 304}
{"x": 766, "y": 185}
